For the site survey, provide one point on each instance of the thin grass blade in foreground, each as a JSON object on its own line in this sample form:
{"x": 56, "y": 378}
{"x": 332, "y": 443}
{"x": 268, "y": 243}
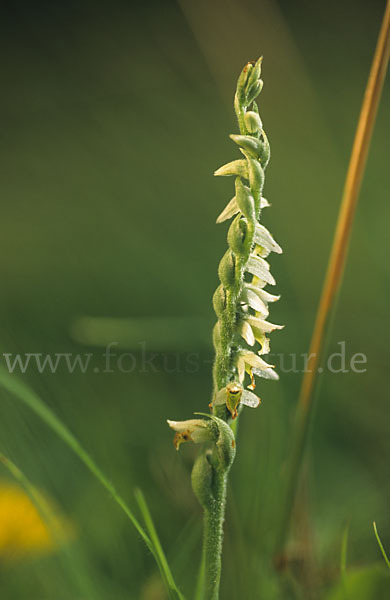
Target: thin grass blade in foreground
{"x": 160, "y": 556}
{"x": 29, "y": 398}
{"x": 335, "y": 269}
{"x": 71, "y": 558}
{"x": 378, "y": 539}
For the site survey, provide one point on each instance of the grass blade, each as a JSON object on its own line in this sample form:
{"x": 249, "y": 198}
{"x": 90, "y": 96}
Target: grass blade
{"x": 71, "y": 561}
{"x": 343, "y": 560}
{"x": 343, "y": 555}
{"x": 334, "y": 274}
{"x": 174, "y": 592}
{"x": 199, "y": 590}
{"x": 28, "y": 397}
{"x": 378, "y": 539}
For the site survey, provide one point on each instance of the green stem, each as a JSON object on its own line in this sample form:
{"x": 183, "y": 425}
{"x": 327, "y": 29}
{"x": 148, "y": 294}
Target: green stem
{"x": 212, "y": 538}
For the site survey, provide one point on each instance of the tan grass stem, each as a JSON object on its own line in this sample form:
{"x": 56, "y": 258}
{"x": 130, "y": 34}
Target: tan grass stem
{"x": 336, "y": 262}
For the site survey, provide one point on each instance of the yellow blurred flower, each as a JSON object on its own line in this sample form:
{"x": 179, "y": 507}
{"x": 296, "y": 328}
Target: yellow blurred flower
{"x": 23, "y": 531}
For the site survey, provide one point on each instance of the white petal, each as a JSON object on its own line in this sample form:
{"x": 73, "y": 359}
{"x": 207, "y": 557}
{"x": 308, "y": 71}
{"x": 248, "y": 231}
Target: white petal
{"x": 194, "y": 430}
{"x": 260, "y": 268}
{"x": 253, "y": 360}
{"x": 188, "y": 425}
{"x": 250, "y": 297}
{"x": 250, "y": 399}
{"x": 263, "y": 295}
{"x": 264, "y": 238}
{"x": 246, "y": 331}
{"x": 267, "y": 297}
{"x": 264, "y": 326}
{"x": 229, "y": 211}
{"x": 264, "y": 203}
{"x": 241, "y": 369}
{"x": 266, "y": 374}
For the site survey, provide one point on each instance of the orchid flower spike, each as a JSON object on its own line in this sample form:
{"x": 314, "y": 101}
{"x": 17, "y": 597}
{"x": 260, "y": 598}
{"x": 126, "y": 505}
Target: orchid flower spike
{"x": 241, "y": 303}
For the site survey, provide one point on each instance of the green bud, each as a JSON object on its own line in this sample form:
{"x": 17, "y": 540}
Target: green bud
{"x": 253, "y": 122}
{"x": 266, "y": 151}
{"x": 254, "y": 75}
{"x": 252, "y": 145}
{"x": 226, "y": 269}
{"x": 226, "y": 445}
{"x": 245, "y": 201}
{"x": 219, "y": 300}
{"x": 214, "y": 462}
{"x": 254, "y": 92}
{"x": 237, "y": 235}
{"x": 202, "y": 480}
{"x": 242, "y": 82}
{"x": 256, "y": 180}
{"x": 217, "y": 335}
{"x": 236, "y": 167}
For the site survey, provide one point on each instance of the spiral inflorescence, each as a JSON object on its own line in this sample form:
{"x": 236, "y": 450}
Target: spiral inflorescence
{"x": 240, "y": 301}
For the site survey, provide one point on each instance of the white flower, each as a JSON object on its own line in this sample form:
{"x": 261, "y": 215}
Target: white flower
{"x": 250, "y": 297}
{"x": 191, "y": 430}
{"x": 232, "y": 209}
{"x": 262, "y": 325}
{"x": 264, "y": 239}
{"x": 260, "y": 268}
{"x": 263, "y": 295}
{"x": 234, "y": 394}
{"x": 246, "y": 331}
{"x": 250, "y": 363}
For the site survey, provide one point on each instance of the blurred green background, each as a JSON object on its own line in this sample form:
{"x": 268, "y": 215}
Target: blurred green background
{"x": 114, "y": 117}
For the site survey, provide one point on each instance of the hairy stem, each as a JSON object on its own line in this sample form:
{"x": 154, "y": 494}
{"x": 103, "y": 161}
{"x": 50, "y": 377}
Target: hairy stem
{"x": 212, "y": 539}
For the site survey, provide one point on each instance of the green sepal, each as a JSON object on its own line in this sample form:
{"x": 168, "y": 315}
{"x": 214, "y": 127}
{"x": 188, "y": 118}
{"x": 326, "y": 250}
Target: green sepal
{"x": 225, "y": 443}
{"x": 252, "y": 121}
{"x": 244, "y": 200}
{"x": 266, "y": 151}
{"x": 219, "y": 300}
{"x": 235, "y": 167}
{"x": 252, "y": 145}
{"x": 254, "y": 92}
{"x": 256, "y": 180}
{"x": 202, "y": 480}
{"x": 217, "y": 336}
{"x": 254, "y": 75}
{"x": 226, "y": 269}
{"x": 241, "y": 88}
{"x": 237, "y": 235}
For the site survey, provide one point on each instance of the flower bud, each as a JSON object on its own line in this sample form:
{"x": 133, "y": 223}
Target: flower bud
{"x": 245, "y": 201}
{"x": 265, "y": 154}
{"x": 256, "y": 179}
{"x": 252, "y": 145}
{"x": 254, "y": 75}
{"x": 235, "y": 167}
{"x": 217, "y": 335}
{"x": 226, "y": 269}
{"x": 242, "y": 82}
{"x": 202, "y": 480}
{"x": 219, "y": 300}
{"x": 237, "y": 235}
{"x": 254, "y": 92}
{"x": 253, "y": 122}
